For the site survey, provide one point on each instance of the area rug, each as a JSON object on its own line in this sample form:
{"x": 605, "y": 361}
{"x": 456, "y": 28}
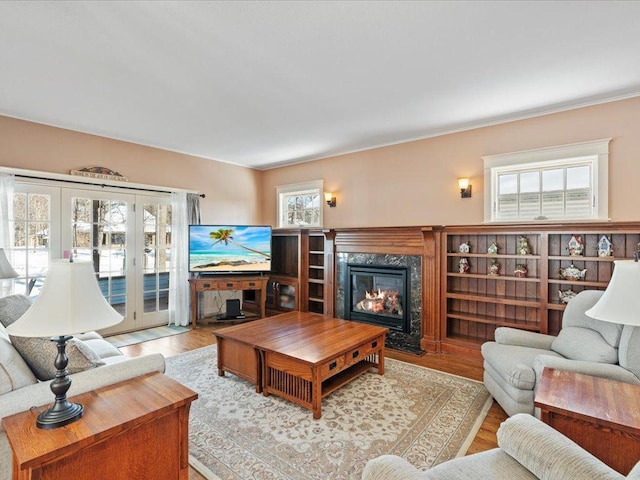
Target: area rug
{"x": 139, "y": 336}
{"x": 420, "y": 414}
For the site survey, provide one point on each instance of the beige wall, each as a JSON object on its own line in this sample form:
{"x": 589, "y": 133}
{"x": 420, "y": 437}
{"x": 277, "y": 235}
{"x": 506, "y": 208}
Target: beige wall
{"x": 415, "y": 183}
{"x": 232, "y": 193}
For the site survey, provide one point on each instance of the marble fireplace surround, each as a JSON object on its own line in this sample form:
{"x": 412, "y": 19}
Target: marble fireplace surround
{"x": 411, "y": 247}
{"x": 410, "y": 341}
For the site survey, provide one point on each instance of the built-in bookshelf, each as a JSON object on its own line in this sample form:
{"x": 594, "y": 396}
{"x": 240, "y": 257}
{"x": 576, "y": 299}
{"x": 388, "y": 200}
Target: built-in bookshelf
{"x": 490, "y": 281}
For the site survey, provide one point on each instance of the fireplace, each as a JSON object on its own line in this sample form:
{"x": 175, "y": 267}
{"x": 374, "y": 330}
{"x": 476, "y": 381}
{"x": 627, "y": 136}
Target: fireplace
{"x": 378, "y": 294}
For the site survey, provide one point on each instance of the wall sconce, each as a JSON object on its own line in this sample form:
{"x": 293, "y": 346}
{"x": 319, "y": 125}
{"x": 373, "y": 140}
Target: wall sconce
{"x": 465, "y": 188}
{"x": 330, "y": 199}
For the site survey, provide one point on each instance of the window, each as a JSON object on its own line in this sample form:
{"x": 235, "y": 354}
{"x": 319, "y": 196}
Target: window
{"x": 558, "y": 183}
{"x": 300, "y": 205}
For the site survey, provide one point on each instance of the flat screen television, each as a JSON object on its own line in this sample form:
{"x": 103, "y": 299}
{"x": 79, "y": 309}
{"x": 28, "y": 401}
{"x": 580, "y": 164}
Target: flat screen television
{"x": 229, "y": 249}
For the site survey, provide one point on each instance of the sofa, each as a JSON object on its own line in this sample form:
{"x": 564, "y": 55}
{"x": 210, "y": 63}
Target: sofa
{"x": 26, "y": 372}
{"x": 513, "y": 363}
{"x": 528, "y": 449}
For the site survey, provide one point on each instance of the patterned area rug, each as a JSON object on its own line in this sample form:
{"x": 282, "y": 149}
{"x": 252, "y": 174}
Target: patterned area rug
{"x": 124, "y": 339}
{"x": 420, "y": 414}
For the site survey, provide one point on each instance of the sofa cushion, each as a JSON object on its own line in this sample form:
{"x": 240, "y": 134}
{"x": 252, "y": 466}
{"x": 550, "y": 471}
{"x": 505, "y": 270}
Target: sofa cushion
{"x": 40, "y": 353}
{"x": 12, "y": 308}
{"x": 102, "y": 348}
{"x": 14, "y": 372}
{"x": 584, "y": 344}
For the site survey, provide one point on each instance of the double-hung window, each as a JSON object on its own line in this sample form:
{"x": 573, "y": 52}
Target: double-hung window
{"x": 557, "y": 184}
{"x": 300, "y": 205}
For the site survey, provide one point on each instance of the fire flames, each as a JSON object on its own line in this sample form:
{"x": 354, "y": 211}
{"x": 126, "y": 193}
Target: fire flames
{"x": 382, "y": 301}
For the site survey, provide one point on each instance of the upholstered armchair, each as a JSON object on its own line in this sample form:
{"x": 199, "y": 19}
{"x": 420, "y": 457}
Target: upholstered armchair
{"x": 527, "y": 449}
{"x": 513, "y": 363}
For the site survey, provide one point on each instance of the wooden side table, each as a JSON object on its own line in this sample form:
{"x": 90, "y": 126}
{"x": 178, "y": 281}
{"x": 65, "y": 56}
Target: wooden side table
{"x": 600, "y": 415}
{"x": 134, "y": 429}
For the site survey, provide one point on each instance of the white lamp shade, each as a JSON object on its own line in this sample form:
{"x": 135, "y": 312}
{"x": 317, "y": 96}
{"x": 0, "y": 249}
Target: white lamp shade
{"x": 6, "y": 270}
{"x": 70, "y": 302}
{"x": 620, "y": 303}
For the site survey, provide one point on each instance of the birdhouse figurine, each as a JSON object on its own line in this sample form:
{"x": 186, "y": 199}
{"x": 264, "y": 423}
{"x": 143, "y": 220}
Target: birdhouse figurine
{"x": 463, "y": 265}
{"x": 520, "y": 271}
{"x": 523, "y": 246}
{"x": 605, "y": 247}
{"x": 464, "y": 247}
{"x": 576, "y": 246}
{"x": 494, "y": 267}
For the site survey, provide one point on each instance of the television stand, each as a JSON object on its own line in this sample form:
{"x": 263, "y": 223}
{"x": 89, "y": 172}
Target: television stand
{"x": 221, "y": 283}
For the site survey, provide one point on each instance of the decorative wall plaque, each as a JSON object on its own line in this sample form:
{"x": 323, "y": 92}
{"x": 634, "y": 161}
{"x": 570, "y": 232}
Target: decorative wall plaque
{"x": 102, "y": 173}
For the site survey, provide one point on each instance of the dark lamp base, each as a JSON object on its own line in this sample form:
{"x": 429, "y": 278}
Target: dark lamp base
{"x": 59, "y": 415}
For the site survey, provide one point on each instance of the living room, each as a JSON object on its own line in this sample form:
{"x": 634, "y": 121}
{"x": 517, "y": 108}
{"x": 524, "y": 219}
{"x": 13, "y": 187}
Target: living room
{"x": 408, "y": 184}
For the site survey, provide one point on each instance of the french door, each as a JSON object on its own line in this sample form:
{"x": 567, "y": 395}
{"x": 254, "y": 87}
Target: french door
{"x": 126, "y": 236}
{"x": 99, "y": 227}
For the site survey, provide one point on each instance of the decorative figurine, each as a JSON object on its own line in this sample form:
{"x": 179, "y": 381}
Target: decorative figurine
{"x": 566, "y": 295}
{"x": 464, "y": 247}
{"x": 520, "y": 271}
{"x": 494, "y": 267}
{"x": 492, "y": 249}
{"x": 523, "y": 246}
{"x": 605, "y": 247}
{"x": 576, "y": 246}
{"x": 463, "y": 265}
{"x": 572, "y": 273}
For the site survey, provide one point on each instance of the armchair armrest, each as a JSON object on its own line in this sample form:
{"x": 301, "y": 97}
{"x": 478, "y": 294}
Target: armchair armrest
{"x": 391, "y": 467}
{"x": 604, "y": 370}
{"x": 523, "y": 338}
{"x": 547, "y": 453}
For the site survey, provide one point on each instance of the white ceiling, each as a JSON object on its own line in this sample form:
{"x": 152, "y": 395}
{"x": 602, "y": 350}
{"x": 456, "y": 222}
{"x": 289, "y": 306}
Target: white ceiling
{"x": 269, "y": 83}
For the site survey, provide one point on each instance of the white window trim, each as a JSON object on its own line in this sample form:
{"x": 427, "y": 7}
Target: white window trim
{"x": 313, "y": 186}
{"x": 493, "y": 164}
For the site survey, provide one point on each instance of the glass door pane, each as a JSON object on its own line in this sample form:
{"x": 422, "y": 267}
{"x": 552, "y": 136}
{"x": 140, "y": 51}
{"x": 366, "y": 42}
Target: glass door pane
{"x": 287, "y": 297}
{"x": 36, "y": 235}
{"x": 156, "y": 259}
{"x": 97, "y": 229}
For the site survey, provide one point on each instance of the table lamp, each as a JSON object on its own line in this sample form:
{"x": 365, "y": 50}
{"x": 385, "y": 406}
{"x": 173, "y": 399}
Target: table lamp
{"x": 70, "y": 302}
{"x": 620, "y": 302}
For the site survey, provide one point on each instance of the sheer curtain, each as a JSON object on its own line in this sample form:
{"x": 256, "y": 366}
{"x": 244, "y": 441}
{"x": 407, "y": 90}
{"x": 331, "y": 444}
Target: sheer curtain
{"x": 6, "y": 233}
{"x": 185, "y": 210}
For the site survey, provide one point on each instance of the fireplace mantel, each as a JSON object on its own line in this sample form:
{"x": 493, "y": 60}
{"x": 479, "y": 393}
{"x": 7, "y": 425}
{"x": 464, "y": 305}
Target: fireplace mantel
{"x": 421, "y": 241}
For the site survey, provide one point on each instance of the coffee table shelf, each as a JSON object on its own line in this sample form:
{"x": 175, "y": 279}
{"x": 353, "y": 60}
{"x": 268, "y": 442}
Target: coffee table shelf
{"x": 332, "y": 384}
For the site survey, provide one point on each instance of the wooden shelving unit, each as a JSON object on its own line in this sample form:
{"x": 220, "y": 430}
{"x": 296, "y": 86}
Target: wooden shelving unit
{"x": 625, "y": 239}
{"x": 316, "y": 273}
{"x": 301, "y": 273}
{"x": 474, "y": 303}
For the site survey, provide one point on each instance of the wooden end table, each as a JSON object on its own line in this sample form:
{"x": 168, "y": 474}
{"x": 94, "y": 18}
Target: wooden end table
{"x": 133, "y": 429}
{"x": 600, "y": 415}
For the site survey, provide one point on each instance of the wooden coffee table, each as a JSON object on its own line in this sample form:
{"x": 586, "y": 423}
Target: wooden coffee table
{"x": 300, "y": 356}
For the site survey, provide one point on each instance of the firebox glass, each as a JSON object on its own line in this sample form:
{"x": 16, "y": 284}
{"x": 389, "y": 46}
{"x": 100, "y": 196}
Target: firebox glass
{"x": 377, "y": 294}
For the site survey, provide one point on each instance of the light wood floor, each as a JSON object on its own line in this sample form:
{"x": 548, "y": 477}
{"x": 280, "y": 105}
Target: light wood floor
{"x": 203, "y": 336}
